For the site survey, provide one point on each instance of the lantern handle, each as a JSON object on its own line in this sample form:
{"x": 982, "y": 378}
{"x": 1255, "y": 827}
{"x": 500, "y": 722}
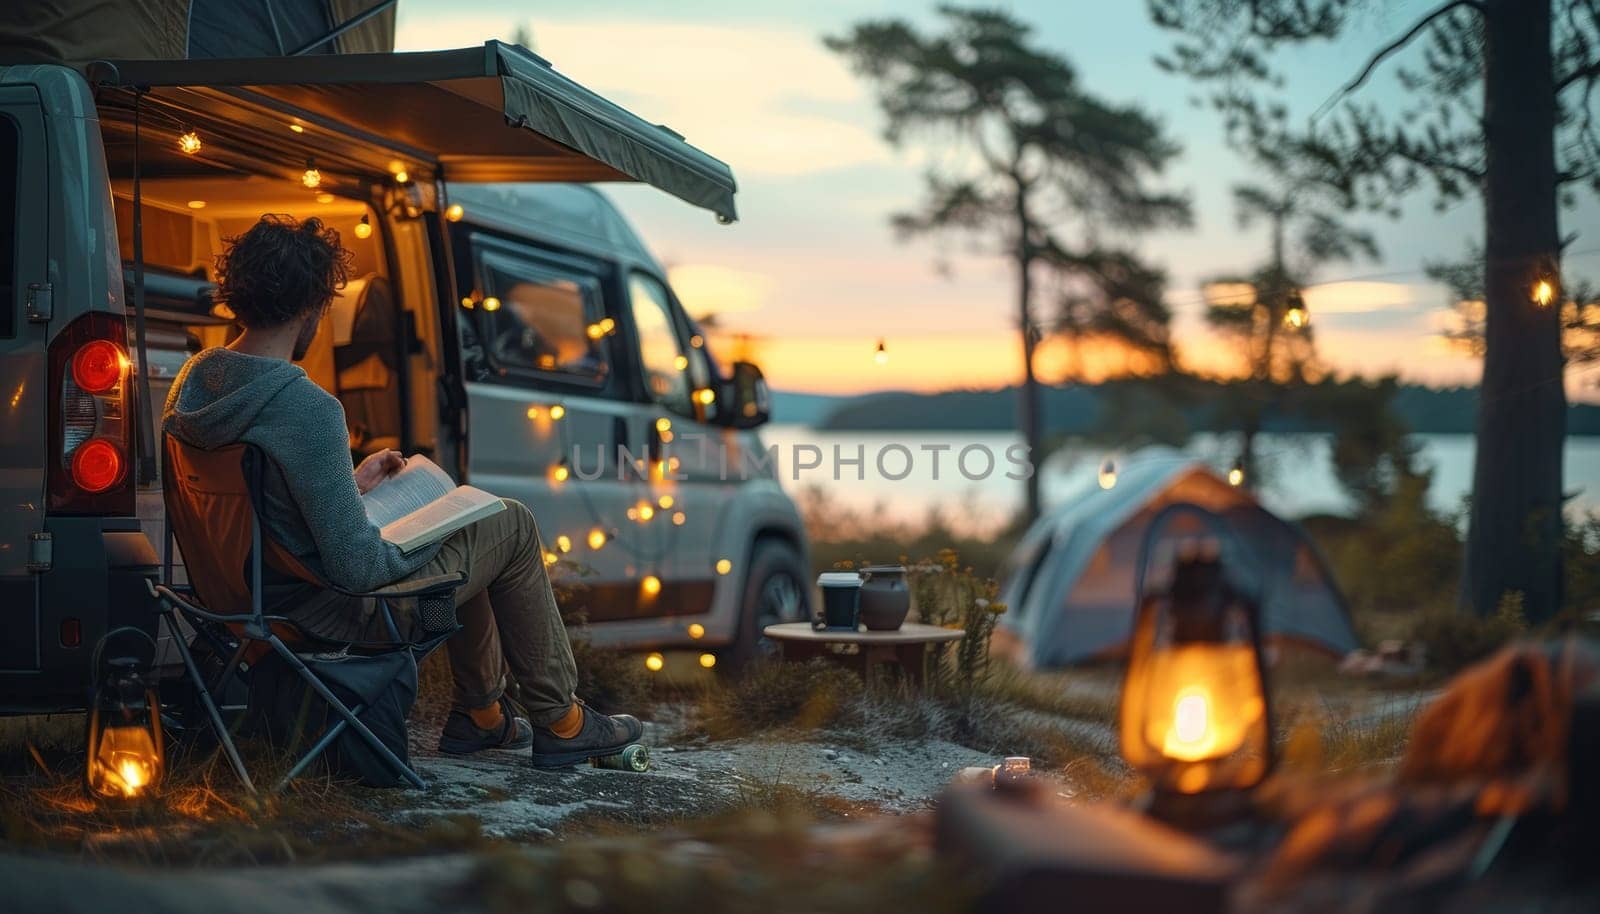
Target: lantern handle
{"x": 1209, "y": 518}
{"x": 99, "y": 647}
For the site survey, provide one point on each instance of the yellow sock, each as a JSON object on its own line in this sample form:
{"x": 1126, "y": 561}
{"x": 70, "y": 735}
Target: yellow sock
{"x": 488, "y": 718}
{"x": 570, "y": 723}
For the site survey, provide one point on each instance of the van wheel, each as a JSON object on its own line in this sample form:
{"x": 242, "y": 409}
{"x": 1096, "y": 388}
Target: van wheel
{"x": 774, "y": 591}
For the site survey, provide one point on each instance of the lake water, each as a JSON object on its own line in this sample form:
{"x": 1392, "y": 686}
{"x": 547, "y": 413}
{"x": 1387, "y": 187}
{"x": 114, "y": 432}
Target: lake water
{"x": 1296, "y": 475}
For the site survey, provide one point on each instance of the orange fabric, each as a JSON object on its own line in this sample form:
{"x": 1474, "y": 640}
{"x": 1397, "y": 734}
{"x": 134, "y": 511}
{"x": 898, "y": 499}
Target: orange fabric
{"x": 570, "y": 724}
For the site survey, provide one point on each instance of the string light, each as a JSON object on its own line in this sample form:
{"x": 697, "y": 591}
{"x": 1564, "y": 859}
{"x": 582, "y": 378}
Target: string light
{"x": 1543, "y": 293}
{"x": 533, "y": 411}
{"x": 663, "y": 424}
{"x": 724, "y": 566}
{"x": 402, "y": 177}
{"x": 563, "y": 543}
{"x": 454, "y": 212}
{"x": 1108, "y": 474}
{"x": 594, "y": 331}
{"x": 597, "y": 538}
{"x": 665, "y": 502}
{"x": 559, "y": 473}
{"x": 882, "y": 355}
{"x": 708, "y": 660}
{"x": 646, "y": 512}
{"x": 607, "y": 324}
{"x": 324, "y": 198}
{"x": 1236, "y": 474}
{"x": 466, "y": 302}
{"x": 678, "y": 518}
{"x": 364, "y": 228}
{"x": 491, "y": 304}
{"x": 697, "y": 341}
{"x": 311, "y": 177}
{"x": 550, "y": 558}
{"x": 650, "y": 585}
{"x": 197, "y": 204}
{"x": 654, "y": 662}
{"x": 296, "y": 128}
{"x": 557, "y": 411}
{"x": 189, "y": 143}
{"x": 697, "y": 631}
{"x": 705, "y": 396}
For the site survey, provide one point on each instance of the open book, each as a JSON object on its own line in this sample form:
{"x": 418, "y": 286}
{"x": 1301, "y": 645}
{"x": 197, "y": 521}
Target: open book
{"x": 421, "y": 504}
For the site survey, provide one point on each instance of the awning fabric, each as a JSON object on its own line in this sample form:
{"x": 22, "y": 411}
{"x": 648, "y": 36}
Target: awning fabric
{"x": 77, "y": 31}
{"x": 451, "y": 109}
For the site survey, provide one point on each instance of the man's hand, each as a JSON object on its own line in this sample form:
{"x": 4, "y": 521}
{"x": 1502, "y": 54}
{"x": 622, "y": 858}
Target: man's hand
{"x": 377, "y": 467}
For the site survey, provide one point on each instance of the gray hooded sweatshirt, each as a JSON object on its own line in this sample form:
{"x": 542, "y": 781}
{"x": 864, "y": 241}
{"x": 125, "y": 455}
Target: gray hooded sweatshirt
{"x": 222, "y": 397}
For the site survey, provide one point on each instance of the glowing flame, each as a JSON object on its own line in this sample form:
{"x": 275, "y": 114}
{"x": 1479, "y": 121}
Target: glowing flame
{"x": 1543, "y": 293}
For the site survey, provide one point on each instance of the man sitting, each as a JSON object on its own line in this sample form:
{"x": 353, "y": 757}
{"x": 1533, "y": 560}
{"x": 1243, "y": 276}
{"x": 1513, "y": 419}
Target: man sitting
{"x": 279, "y": 279}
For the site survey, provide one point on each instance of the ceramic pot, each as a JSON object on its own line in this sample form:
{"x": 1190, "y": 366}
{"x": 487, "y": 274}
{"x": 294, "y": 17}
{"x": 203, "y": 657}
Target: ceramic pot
{"x": 885, "y": 598}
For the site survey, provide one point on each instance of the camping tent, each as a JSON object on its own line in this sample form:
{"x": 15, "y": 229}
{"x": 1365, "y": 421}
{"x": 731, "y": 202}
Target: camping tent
{"x": 1070, "y": 582}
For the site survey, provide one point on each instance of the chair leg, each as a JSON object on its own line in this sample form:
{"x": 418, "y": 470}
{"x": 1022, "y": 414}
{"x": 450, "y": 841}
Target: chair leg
{"x": 333, "y": 701}
{"x": 321, "y": 745}
{"x": 232, "y": 666}
{"x": 217, "y": 726}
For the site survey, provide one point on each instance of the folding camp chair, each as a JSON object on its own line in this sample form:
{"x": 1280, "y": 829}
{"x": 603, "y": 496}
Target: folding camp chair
{"x": 214, "y": 508}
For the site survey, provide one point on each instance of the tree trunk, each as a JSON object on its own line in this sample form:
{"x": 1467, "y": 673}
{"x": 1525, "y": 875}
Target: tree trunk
{"x": 1028, "y": 398}
{"x": 1514, "y": 534}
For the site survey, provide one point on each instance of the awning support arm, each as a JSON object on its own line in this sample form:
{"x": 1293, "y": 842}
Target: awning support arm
{"x": 354, "y": 21}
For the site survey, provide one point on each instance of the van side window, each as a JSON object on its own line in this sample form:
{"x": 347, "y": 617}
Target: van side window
{"x": 542, "y": 324}
{"x": 9, "y": 140}
{"x": 662, "y": 359}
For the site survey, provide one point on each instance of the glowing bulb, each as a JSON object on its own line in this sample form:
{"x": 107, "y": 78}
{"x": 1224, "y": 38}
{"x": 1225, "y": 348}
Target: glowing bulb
{"x": 559, "y": 473}
{"x": 466, "y": 302}
{"x": 364, "y": 228}
{"x": 882, "y": 355}
{"x": 651, "y": 585}
{"x": 1108, "y": 474}
{"x": 697, "y": 631}
{"x": 724, "y": 566}
{"x": 1543, "y": 293}
{"x": 1236, "y": 477}
{"x": 402, "y": 176}
{"x": 296, "y": 128}
{"x": 654, "y": 662}
{"x": 665, "y": 501}
{"x": 311, "y": 177}
{"x": 663, "y": 424}
{"x": 533, "y": 412}
{"x": 491, "y": 304}
{"x": 1296, "y": 317}
{"x": 189, "y": 143}
{"x": 678, "y": 518}
{"x": 454, "y": 212}
{"x": 681, "y": 363}
{"x": 697, "y": 341}
{"x": 197, "y": 204}
{"x": 646, "y": 512}
{"x": 550, "y": 558}
{"x": 607, "y": 324}
{"x": 705, "y": 396}
{"x": 563, "y": 543}
{"x": 557, "y": 411}
{"x": 1191, "y": 718}
{"x": 708, "y": 660}
{"x": 594, "y": 331}
{"x": 597, "y": 538}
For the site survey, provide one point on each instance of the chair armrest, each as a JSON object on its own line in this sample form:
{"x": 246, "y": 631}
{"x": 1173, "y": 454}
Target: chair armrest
{"x": 419, "y": 587}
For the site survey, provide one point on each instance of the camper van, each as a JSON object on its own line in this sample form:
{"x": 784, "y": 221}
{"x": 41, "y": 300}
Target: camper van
{"x": 504, "y": 320}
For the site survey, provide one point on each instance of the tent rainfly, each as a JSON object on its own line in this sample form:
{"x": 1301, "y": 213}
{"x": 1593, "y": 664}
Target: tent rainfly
{"x": 1070, "y": 581}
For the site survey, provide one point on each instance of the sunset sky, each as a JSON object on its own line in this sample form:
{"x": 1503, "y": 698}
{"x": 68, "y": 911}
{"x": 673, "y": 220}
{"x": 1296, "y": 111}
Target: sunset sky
{"x": 812, "y": 271}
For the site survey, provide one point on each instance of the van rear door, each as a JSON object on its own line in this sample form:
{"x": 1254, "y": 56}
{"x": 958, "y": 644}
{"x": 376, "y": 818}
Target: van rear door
{"x": 24, "y": 306}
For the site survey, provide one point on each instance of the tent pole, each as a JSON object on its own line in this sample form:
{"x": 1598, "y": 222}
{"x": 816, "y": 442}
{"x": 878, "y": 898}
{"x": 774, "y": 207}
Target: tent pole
{"x": 355, "y": 21}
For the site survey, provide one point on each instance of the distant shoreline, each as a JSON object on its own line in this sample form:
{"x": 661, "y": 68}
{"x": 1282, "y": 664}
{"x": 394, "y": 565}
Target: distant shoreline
{"x": 1083, "y": 409}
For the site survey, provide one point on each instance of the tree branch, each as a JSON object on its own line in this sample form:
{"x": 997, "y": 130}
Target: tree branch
{"x": 1390, "y": 48}
{"x": 1582, "y": 73}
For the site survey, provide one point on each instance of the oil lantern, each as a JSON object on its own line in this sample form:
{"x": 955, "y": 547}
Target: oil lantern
{"x": 124, "y": 737}
{"x": 1194, "y": 714}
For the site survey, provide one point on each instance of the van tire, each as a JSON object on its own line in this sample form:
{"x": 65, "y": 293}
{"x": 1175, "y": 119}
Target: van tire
{"x": 774, "y": 591}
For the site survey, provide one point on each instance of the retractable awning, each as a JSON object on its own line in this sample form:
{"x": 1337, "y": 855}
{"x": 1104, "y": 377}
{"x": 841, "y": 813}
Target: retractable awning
{"x": 496, "y": 113}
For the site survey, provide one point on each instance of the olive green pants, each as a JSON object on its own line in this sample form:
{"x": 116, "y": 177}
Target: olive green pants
{"x": 508, "y": 615}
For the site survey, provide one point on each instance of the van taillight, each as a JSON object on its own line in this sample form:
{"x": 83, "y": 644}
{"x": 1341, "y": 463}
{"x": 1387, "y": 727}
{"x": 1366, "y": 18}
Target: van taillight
{"x": 91, "y": 418}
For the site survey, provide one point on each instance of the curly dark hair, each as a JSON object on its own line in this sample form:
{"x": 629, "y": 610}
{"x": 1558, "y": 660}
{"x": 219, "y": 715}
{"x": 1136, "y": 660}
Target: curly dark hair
{"x": 280, "y": 269}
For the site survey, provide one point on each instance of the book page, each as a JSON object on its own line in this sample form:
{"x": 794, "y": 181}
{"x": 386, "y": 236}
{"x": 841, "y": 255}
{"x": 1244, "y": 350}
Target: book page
{"x": 417, "y": 484}
{"x": 440, "y": 518}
